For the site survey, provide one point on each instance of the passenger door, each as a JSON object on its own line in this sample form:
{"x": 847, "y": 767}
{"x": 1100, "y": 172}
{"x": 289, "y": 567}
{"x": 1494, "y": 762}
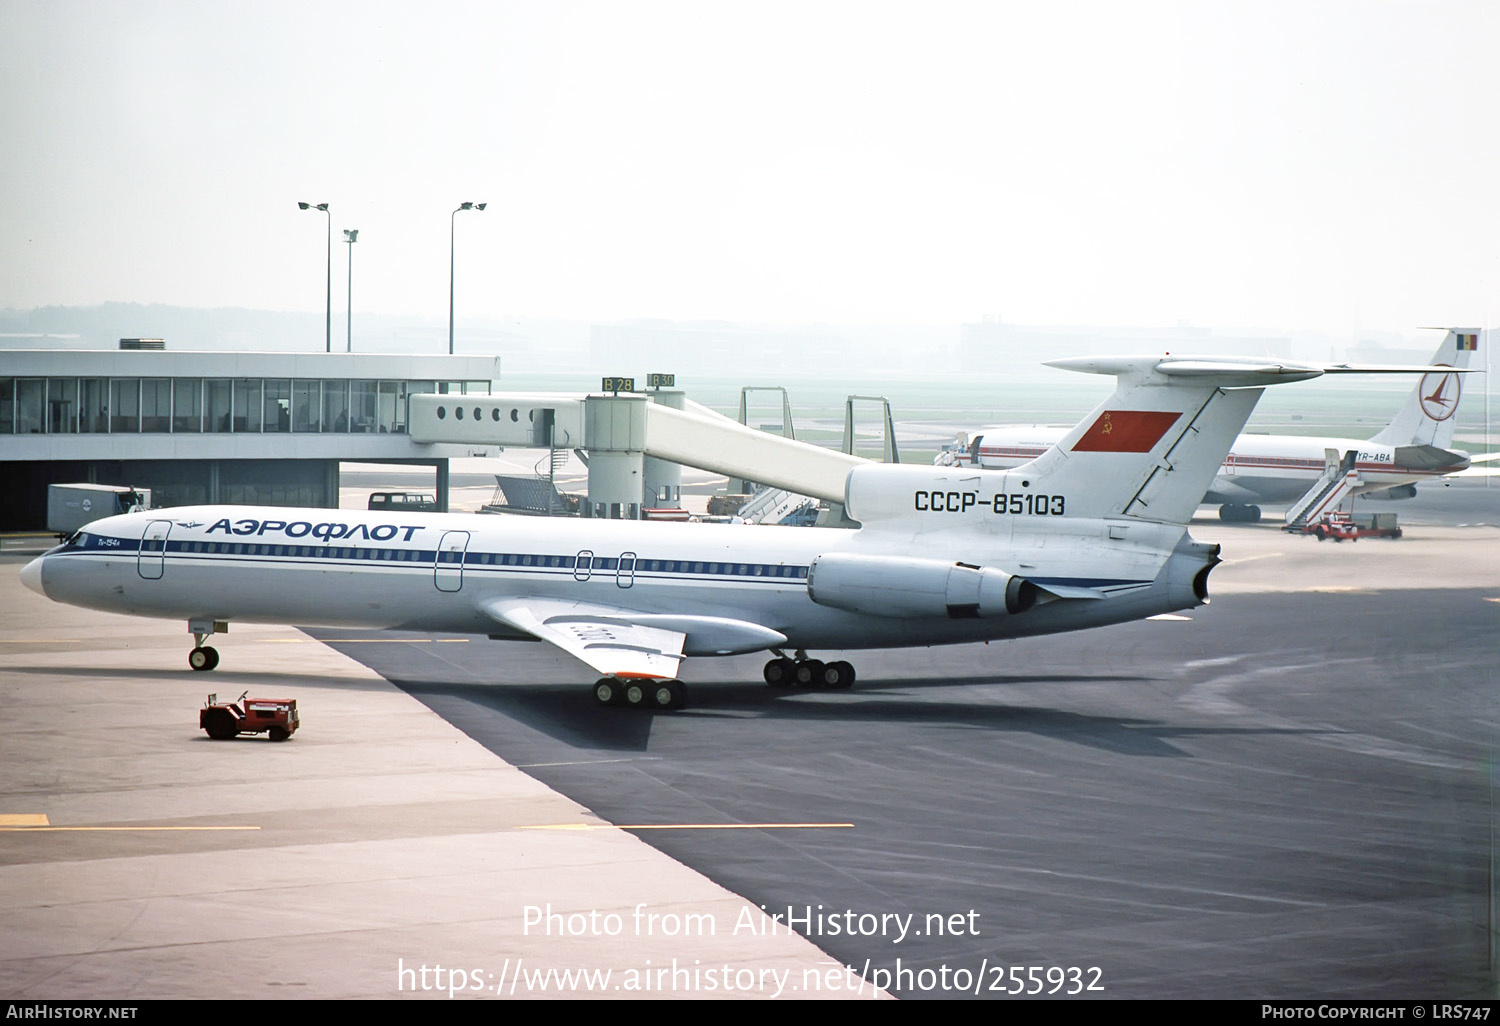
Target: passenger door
{"x": 151, "y": 562}
{"x": 448, "y": 568}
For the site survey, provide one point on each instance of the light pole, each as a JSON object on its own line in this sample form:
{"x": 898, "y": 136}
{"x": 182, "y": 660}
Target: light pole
{"x": 351, "y": 236}
{"x": 328, "y": 316}
{"x": 452, "y": 219}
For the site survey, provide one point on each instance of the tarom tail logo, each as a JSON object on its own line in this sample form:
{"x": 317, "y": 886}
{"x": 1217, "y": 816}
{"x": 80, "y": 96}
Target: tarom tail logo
{"x": 1440, "y": 393}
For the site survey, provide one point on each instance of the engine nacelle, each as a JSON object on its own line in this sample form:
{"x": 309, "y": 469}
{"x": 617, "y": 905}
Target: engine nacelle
{"x": 1405, "y": 491}
{"x": 907, "y": 587}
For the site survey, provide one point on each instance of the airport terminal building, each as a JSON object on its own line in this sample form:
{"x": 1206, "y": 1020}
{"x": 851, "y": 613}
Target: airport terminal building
{"x": 211, "y": 427}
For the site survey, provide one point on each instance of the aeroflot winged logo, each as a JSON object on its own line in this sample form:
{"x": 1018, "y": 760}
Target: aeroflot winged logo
{"x": 1126, "y": 431}
{"x": 1440, "y": 394}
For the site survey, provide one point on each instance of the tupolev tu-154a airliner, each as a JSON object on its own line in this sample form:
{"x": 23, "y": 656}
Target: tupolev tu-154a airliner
{"x": 1092, "y": 532}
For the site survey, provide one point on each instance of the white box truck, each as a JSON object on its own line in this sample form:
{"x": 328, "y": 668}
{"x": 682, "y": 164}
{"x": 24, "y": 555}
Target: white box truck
{"x": 72, "y": 506}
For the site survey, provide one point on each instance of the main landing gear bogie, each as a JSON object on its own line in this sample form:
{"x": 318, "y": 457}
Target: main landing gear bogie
{"x": 808, "y": 673}
{"x": 660, "y": 695}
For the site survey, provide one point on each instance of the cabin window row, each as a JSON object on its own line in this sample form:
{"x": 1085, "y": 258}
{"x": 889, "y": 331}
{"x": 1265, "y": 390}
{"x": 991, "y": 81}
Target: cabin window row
{"x": 596, "y": 563}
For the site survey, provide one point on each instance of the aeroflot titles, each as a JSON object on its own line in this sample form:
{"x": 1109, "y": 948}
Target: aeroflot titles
{"x": 1002, "y": 503}
{"x": 324, "y": 532}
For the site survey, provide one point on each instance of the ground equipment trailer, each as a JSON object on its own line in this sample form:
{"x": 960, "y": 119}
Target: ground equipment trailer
{"x": 1340, "y": 525}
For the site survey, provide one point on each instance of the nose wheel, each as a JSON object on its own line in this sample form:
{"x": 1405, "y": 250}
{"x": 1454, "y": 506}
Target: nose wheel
{"x": 204, "y": 658}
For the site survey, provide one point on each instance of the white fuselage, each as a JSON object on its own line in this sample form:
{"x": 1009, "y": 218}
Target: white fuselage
{"x": 1260, "y": 468}
{"x": 433, "y": 572}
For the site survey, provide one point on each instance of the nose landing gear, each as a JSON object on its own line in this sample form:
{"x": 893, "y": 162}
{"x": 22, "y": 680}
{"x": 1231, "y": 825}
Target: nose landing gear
{"x": 202, "y": 657}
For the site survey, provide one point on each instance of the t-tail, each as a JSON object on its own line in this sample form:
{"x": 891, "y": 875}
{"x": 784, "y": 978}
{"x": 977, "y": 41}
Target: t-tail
{"x": 1151, "y": 450}
{"x": 1428, "y": 417}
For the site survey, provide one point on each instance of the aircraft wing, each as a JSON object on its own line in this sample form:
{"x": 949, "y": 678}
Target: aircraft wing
{"x": 602, "y": 636}
{"x": 1479, "y": 468}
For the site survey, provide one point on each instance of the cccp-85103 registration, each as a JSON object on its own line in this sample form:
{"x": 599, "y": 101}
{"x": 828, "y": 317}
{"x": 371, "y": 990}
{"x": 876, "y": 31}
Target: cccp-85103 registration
{"x": 1001, "y": 504}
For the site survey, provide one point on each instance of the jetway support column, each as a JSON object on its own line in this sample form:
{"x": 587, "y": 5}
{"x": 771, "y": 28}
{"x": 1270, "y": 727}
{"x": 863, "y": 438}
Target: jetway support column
{"x": 442, "y": 485}
{"x": 663, "y": 478}
{"x": 330, "y": 483}
{"x": 615, "y": 430}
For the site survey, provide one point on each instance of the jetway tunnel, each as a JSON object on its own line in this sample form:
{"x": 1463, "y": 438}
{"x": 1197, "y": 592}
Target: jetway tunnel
{"x": 636, "y": 443}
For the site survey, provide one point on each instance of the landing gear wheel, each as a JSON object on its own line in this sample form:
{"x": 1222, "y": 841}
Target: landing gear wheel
{"x": 669, "y": 694}
{"x": 1234, "y": 513}
{"x": 1252, "y": 514}
{"x": 607, "y": 691}
{"x": 221, "y": 725}
{"x": 838, "y": 675}
{"x": 204, "y": 658}
{"x": 779, "y": 672}
{"x": 635, "y": 694}
{"x": 809, "y": 673}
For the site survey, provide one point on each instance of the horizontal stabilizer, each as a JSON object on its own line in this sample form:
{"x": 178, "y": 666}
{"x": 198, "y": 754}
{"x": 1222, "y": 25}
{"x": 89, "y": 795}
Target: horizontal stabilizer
{"x": 1224, "y": 372}
{"x": 1430, "y": 457}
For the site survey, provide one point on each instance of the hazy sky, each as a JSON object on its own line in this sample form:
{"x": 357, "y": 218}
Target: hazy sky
{"x": 1311, "y": 164}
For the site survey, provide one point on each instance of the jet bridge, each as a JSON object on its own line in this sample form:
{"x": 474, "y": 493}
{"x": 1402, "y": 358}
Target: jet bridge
{"x": 634, "y": 442}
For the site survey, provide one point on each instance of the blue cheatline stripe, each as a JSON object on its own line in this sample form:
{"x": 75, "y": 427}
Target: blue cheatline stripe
{"x": 506, "y": 562}
{"x": 514, "y": 562}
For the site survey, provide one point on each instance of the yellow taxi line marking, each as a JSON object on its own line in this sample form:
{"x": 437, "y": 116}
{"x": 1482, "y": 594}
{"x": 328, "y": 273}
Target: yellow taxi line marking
{"x": 364, "y": 641}
{"x": 111, "y": 829}
{"x": 689, "y": 826}
{"x": 26, "y": 819}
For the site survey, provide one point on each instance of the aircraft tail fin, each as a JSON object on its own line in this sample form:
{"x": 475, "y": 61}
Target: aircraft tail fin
{"x": 1152, "y": 449}
{"x": 1428, "y": 418}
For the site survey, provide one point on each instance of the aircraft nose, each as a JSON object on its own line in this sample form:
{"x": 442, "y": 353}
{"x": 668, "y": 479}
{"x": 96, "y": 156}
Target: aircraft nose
{"x": 31, "y": 575}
